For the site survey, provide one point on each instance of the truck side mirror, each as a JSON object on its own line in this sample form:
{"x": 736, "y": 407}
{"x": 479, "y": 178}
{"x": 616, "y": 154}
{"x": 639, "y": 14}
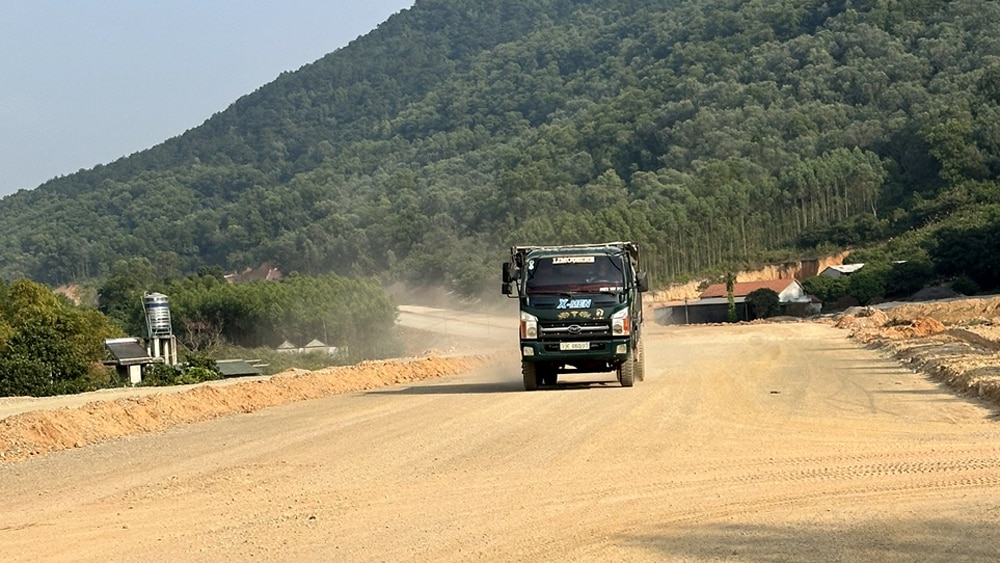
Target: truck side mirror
{"x": 641, "y": 283}
{"x": 507, "y": 277}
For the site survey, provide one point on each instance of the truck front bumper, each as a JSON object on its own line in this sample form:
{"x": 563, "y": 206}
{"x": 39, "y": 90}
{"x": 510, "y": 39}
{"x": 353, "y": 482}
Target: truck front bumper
{"x": 567, "y": 351}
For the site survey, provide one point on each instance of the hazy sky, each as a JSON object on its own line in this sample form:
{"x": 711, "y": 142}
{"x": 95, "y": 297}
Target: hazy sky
{"x": 86, "y": 82}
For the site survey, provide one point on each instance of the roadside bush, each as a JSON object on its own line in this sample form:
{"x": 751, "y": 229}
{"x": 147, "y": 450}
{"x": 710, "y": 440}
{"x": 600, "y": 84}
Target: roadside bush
{"x": 196, "y": 375}
{"x": 906, "y": 278}
{"x": 24, "y": 377}
{"x": 828, "y": 290}
{"x": 201, "y": 362}
{"x": 49, "y": 346}
{"x": 965, "y": 285}
{"x": 162, "y": 375}
{"x": 867, "y": 285}
{"x": 158, "y": 375}
{"x": 968, "y": 251}
{"x": 764, "y": 303}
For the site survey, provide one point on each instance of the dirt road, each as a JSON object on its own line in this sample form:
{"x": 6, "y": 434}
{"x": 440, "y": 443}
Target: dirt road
{"x": 782, "y": 442}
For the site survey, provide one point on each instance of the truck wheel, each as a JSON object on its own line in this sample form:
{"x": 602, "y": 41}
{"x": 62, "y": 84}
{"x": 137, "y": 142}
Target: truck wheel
{"x": 626, "y": 371}
{"x": 640, "y": 361}
{"x": 530, "y": 374}
{"x": 550, "y": 377}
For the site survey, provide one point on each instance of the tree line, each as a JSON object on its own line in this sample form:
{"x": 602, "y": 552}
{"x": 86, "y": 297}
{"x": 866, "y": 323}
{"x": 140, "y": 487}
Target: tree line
{"x": 49, "y": 345}
{"x": 355, "y": 314}
{"x": 715, "y": 134}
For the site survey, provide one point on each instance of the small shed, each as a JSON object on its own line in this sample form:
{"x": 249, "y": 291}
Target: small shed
{"x": 841, "y": 270}
{"x": 313, "y": 346}
{"x": 317, "y": 346}
{"x": 127, "y": 355}
{"x": 239, "y": 367}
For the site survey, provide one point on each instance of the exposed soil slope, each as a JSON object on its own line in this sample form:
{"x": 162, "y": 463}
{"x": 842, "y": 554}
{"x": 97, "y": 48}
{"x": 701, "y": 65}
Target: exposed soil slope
{"x": 36, "y": 433}
{"x": 956, "y": 341}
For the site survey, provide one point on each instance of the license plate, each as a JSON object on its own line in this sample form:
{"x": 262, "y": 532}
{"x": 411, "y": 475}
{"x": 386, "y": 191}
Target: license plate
{"x": 574, "y": 345}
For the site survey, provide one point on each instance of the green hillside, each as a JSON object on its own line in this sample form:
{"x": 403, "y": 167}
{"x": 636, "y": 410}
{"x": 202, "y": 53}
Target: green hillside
{"x": 714, "y": 132}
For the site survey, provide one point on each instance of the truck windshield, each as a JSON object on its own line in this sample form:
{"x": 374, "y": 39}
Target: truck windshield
{"x": 562, "y": 274}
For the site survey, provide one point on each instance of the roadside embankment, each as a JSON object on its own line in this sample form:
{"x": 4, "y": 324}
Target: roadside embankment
{"x": 41, "y": 431}
{"x": 955, "y": 341}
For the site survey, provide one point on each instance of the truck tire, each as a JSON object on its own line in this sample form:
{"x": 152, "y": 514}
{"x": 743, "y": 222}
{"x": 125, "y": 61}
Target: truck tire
{"x": 530, "y": 374}
{"x": 626, "y": 371}
{"x": 550, "y": 378}
{"x": 640, "y": 361}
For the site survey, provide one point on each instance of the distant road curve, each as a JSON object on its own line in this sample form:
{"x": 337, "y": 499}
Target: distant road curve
{"x": 499, "y": 328}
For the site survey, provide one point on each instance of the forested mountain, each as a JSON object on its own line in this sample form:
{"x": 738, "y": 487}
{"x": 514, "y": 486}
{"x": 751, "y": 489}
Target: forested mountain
{"x": 710, "y": 131}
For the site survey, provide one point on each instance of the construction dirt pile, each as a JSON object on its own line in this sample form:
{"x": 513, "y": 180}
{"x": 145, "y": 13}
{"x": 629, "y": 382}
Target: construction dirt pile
{"x": 39, "y": 432}
{"x": 956, "y": 341}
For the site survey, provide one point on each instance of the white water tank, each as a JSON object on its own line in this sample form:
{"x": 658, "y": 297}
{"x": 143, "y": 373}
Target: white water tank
{"x": 157, "y": 314}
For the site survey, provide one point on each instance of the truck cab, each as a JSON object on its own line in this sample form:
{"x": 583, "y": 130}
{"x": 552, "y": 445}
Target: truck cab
{"x": 580, "y": 310}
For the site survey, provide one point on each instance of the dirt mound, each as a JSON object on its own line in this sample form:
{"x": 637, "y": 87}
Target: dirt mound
{"x": 915, "y": 328}
{"x": 949, "y": 311}
{"x": 37, "y": 433}
{"x": 956, "y": 341}
{"x": 932, "y": 293}
{"x": 862, "y": 321}
{"x": 868, "y": 324}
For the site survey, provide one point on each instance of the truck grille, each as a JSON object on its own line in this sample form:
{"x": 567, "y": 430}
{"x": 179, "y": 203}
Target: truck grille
{"x": 574, "y": 331}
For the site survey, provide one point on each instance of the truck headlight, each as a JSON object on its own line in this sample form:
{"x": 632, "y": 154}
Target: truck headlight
{"x": 529, "y": 325}
{"x": 619, "y": 323}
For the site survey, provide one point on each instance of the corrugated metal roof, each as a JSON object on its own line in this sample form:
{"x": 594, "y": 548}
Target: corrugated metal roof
{"x": 235, "y": 368}
{"x": 128, "y": 351}
{"x": 846, "y": 268}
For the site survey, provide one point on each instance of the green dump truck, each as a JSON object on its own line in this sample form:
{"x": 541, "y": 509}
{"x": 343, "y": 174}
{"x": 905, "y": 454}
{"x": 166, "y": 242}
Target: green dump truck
{"x": 580, "y": 308}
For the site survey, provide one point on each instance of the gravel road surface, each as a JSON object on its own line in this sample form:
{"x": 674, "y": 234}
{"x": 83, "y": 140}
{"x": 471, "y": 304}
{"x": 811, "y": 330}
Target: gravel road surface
{"x": 770, "y": 442}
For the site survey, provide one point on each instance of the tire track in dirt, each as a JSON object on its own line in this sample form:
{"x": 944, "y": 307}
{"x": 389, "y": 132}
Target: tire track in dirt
{"x": 879, "y": 464}
{"x": 744, "y": 493}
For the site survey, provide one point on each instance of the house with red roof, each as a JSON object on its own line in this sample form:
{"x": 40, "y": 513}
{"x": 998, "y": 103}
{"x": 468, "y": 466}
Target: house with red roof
{"x": 712, "y": 306}
{"x": 787, "y": 290}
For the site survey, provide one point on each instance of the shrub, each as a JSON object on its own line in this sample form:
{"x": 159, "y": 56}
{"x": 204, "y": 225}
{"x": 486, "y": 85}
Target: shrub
{"x": 196, "y": 375}
{"x": 906, "y": 278}
{"x": 158, "y": 375}
{"x": 764, "y": 303}
{"x": 828, "y": 290}
{"x": 965, "y": 285}
{"x": 867, "y": 285}
{"x": 162, "y": 375}
{"x": 202, "y": 362}
{"x": 968, "y": 251}
{"x": 24, "y": 377}
{"x": 49, "y": 346}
